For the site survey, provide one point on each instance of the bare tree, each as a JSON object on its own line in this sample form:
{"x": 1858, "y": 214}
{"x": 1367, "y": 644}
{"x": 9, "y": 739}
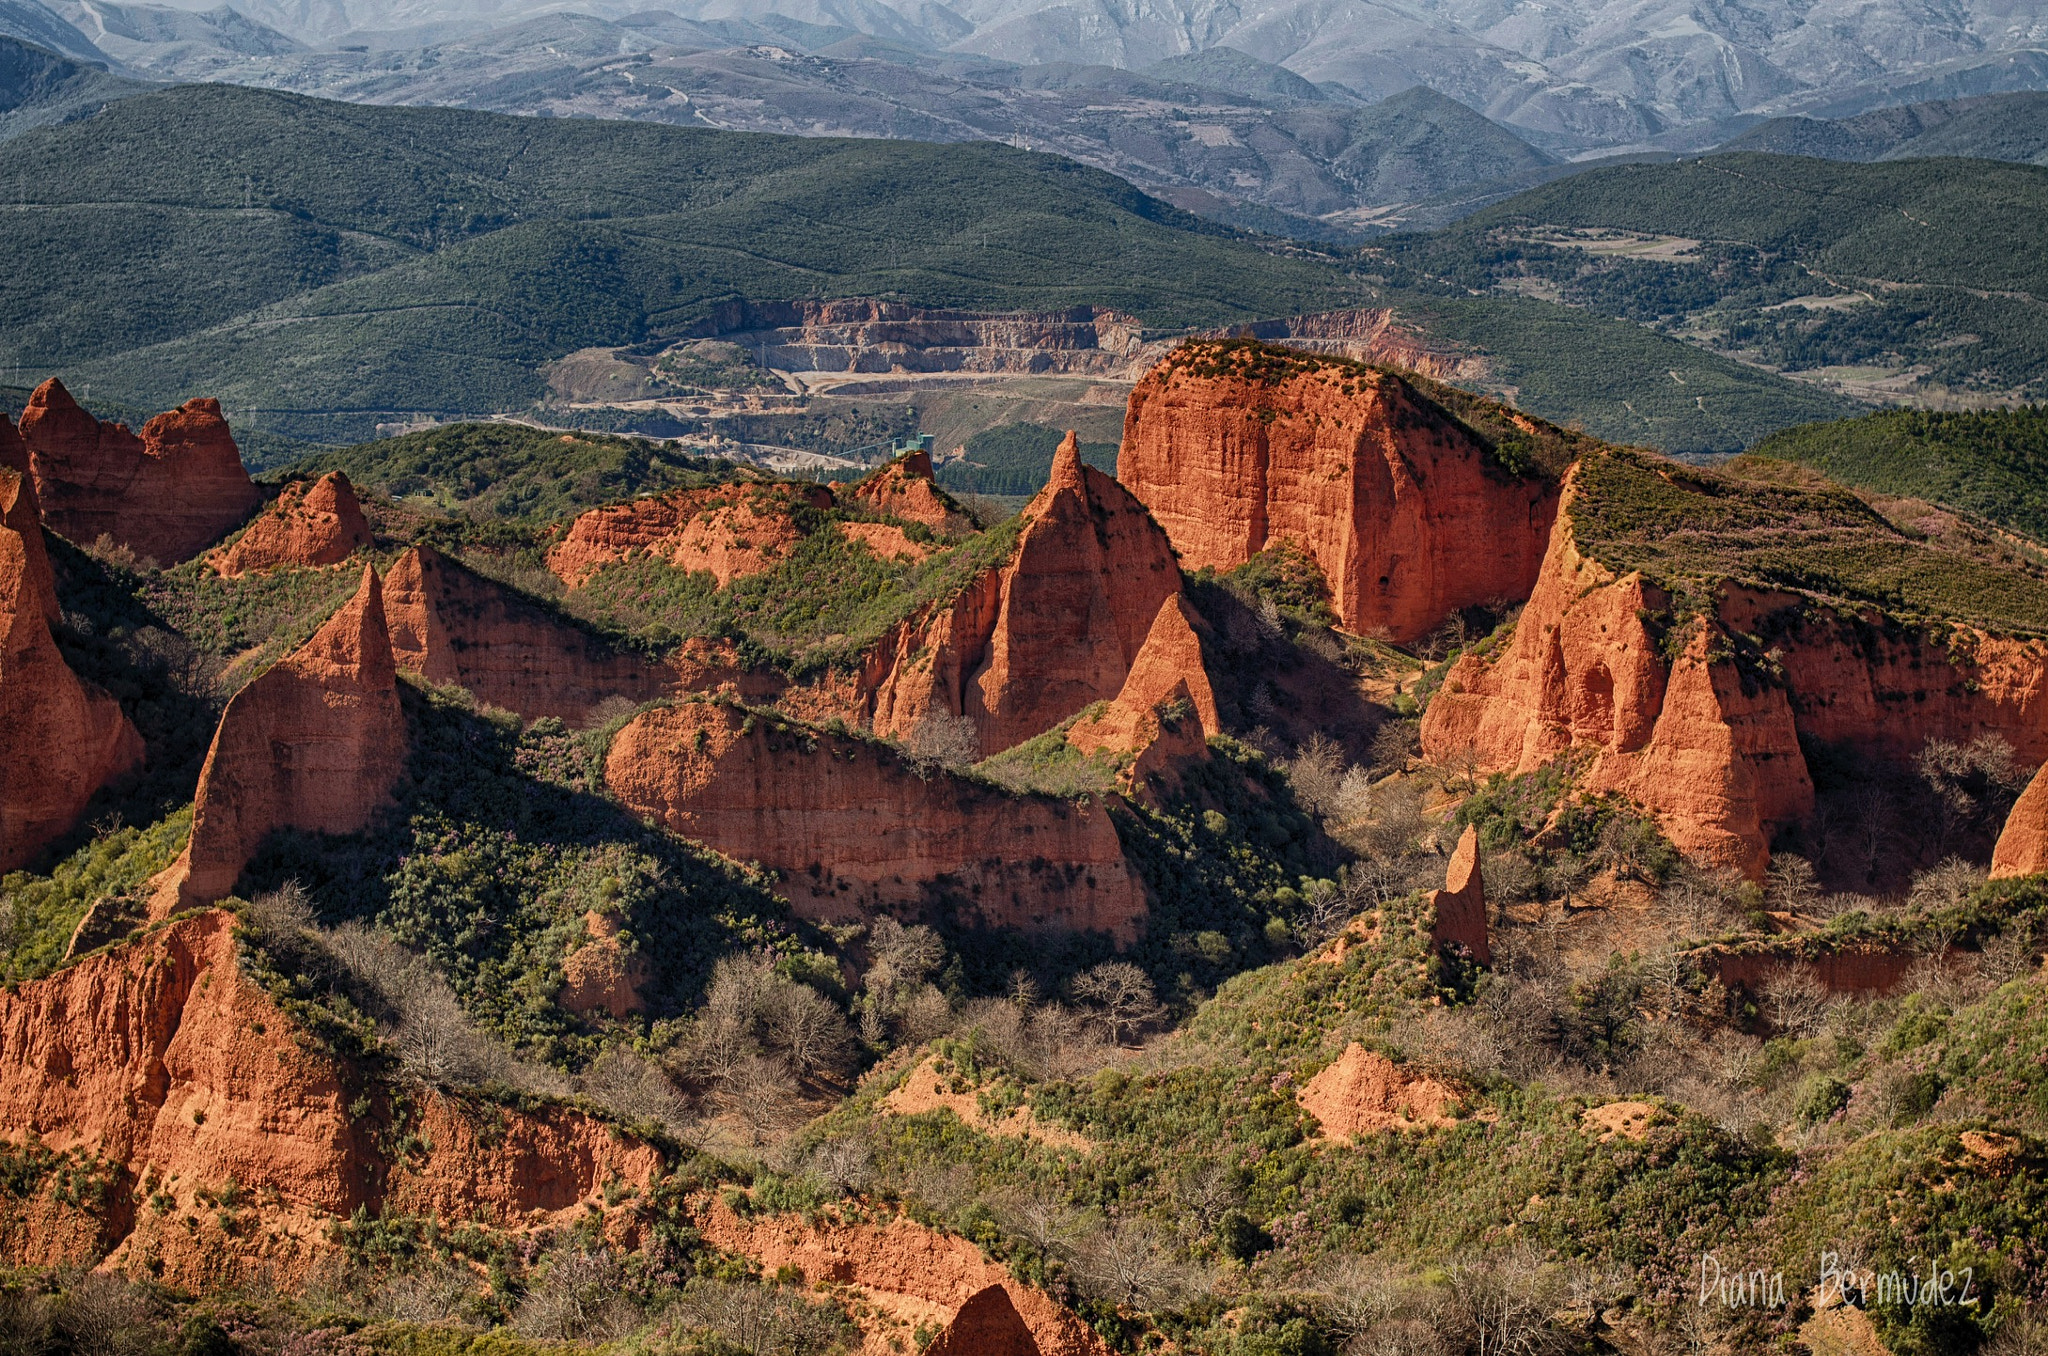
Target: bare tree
{"x": 1791, "y": 884}
{"x": 1316, "y": 774}
{"x": 1040, "y": 1214}
{"x": 946, "y": 739}
{"x": 1944, "y": 886}
{"x": 1126, "y": 1262}
{"x": 577, "y": 1298}
{"x": 1120, "y": 995}
{"x": 807, "y": 1028}
{"x": 1503, "y": 1301}
{"x": 761, "y": 1320}
{"x": 1795, "y": 999}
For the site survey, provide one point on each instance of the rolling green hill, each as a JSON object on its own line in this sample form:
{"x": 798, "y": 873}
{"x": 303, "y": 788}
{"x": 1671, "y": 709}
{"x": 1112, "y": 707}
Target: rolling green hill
{"x": 1996, "y": 127}
{"x": 299, "y": 257}
{"x": 1993, "y": 463}
{"x": 1933, "y": 271}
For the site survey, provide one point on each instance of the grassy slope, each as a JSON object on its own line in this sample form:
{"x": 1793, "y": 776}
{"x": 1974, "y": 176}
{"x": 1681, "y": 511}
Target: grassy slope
{"x": 1993, "y": 463}
{"x": 333, "y": 256}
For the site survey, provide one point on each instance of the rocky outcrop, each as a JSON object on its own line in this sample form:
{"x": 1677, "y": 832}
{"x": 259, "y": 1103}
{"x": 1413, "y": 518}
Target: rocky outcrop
{"x": 451, "y": 625}
{"x": 167, "y": 494}
{"x": 910, "y": 1276}
{"x": 860, "y": 334}
{"x": 1460, "y": 907}
{"x": 1362, "y": 1093}
{"x": 601, "y": 975}
{"x": 316, "y": 742}
{"x": 1166, "y": 709}
{"x": 1043, "y": 636}
{"x": 61, "y": 739}
{"x": 1368, "y": 334}
{"x": 2023, "y": 843}
{"x": 316, "y": 523}
{"x": 905, "y": 489}
{"x": 1404, "y": 509}
{"x": 170, "y": 1076}
{"x": 731, "y": 530}
{"x": 855, "y": 830}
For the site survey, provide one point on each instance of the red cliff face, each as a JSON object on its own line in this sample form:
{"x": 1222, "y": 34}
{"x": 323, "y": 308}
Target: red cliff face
{"x": 1403, "y": 509}
{"x": 316, "y": 742}
{"x": 855, "y": 830}
{"x": 320, "y": 523}
{"x": 452, "y": 625}
{"x": 167, "y": 494}
{"x": 905, "y": 489}
{"x": 180, "y": 1076}
{"x": 1052, "y": 631}
{"x": 61, "y": 739}
{"x": 1167, "y": 672}
{"x": 731, "y": 530}
{"x": 2023, "y": 844}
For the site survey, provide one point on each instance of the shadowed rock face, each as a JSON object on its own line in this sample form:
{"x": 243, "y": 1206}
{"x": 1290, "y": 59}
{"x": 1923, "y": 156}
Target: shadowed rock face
{"x": 855, "y": 830}
{"x": 162, "y": 1060}
{"x": 317, "y": 523}
{"x": 1167, "y": 672}
{"x": 1400, "y": 506}
{"x": 167, "y": 494}
{"x": 987, "y": 1325}
{"x": 61, "y": 739}
{"x": 1047, "y": 634}
{"x": 316, "y": 742}
{"x": 452, "y": 625}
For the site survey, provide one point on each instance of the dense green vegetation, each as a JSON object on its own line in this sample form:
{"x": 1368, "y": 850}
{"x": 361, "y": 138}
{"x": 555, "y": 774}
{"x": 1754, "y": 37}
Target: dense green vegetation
{"x": 1928, "y": 267}
{"x": 1015, "y": 459}
{"x": 335, "y": 258}
{"x": 1992, "y": 463}
{"x": 1686, "y": 528}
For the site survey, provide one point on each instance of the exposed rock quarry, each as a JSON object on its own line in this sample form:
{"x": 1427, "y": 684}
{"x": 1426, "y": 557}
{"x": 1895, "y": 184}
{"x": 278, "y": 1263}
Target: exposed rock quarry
{"x": 861, "y": 334}
{"x": 61, "y": 739}
{"x": 312, "y": 523}
{"x": 1167, "y": 673}
{"x": 905, "y": 489}
{"x": 316, "y": 742}
{"x": 1365, "y": 1093}
{"x": 1401, "y": 506}
{"x": 1368, "y": 334}
{"x": 854, "y": 829}
{"x": 2023, "y": 844}
{"x": 168, "y": 494}
{"x": 1049, "y": 633}
{"x": 731, "y": 530}
{"x": 452, "y": 625}
{"x": 179, "y": 1076}
{"x": 909, "y": 1276}
{"x": 1461, "y": 905}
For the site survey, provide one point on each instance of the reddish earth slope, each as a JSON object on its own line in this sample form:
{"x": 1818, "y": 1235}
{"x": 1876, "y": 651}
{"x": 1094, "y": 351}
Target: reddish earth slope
{"x": 731, "y": 530}
{"x": 61, "y": 739}
{"x": 162, "y": 1072}
{"x": 452, "y": 625}
{"x": 312, "y": 523}
{"x": 854, "y": 829}
{"x": 316, "y": 742}
{"x": 167, "y": 494}
{"x": 905, "y": 489}
{"x": 1409, "y": 516}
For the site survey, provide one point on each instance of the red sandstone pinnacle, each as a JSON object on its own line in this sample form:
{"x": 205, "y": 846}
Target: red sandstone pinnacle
{"x": 854, "y": 830}
{"x": 1397, "y": 503}
{"x": 161, "y": 1059}
{"x": 906, "y": 489}
{"x": 61, "y": 739}
{"x": 314, "y": 743}
{"x": 1168, "y": 669}
{"x": 2023, "y": 844}
{"x": 167, "y": 494}
{"x": 316, "y": 523}
{"x": 452, "y": 625}
{"x": 1461, "y": 905}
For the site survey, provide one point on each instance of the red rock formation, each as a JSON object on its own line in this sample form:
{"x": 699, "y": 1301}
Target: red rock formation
{"x": 1861, "y": 971}
{"x": 909, "y": 1275}
{"x": 731, "y": 530}
{"x": 1401, "y": 507}
{"x": 61, "y": 739}
{"x": 160, "y": 1059}
{"x": 601, "y": 975}
{"x": 1460, "y": 907}
{"x": 1167, "y": 670}
{"x": 316, "y": 742}
{"x": 1365, "y": 1093}
{"x": 452, "y": 625}
{"x": 905, "y": 489}
{"x": 320, "y": 523}
{"x": 2023, "y": 843}
{"x": 167, "y": 494}
{"x": 1049, "y": 633}
{"x": 888, "y": 541}
{"x": 855, "y": 830}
